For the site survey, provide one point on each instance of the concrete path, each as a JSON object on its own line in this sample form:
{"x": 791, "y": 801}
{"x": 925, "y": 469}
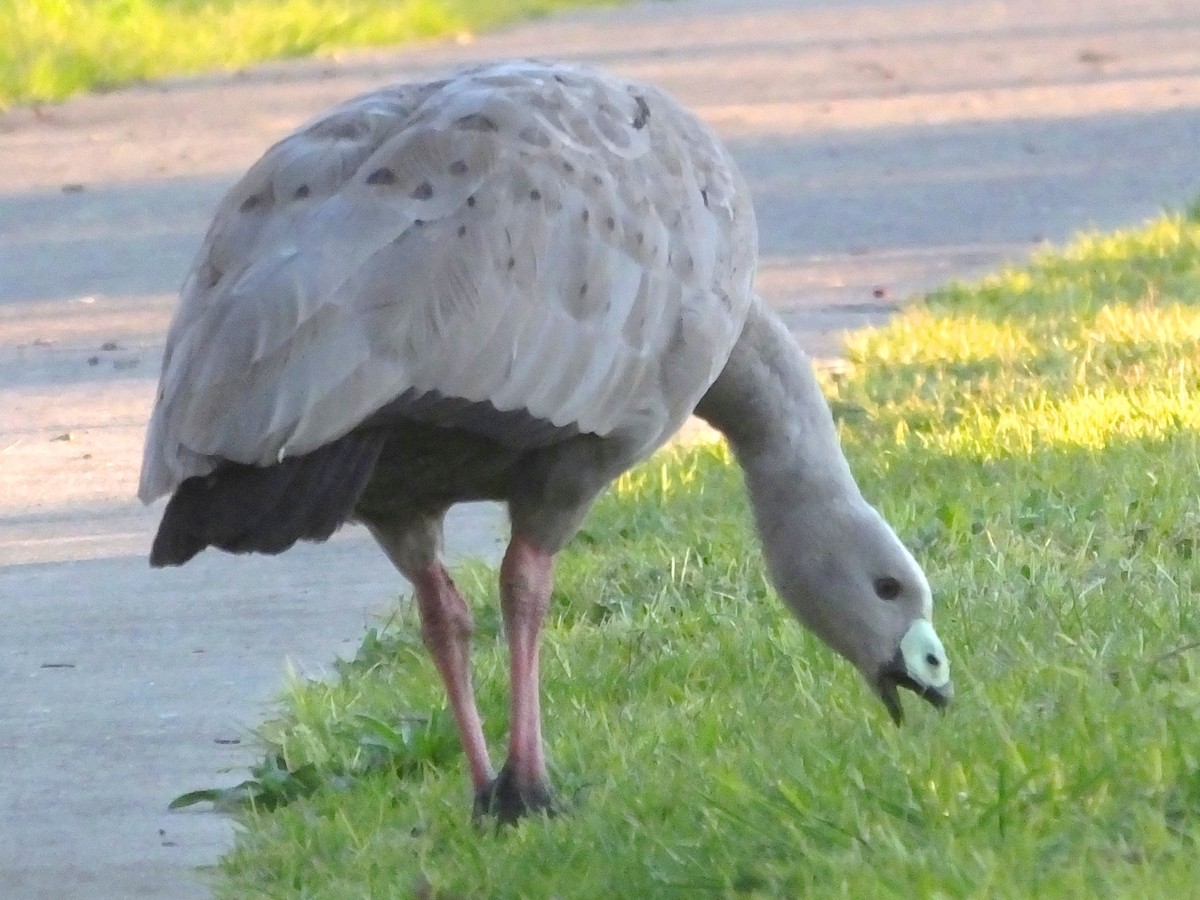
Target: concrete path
{"x": 890, "y": 146}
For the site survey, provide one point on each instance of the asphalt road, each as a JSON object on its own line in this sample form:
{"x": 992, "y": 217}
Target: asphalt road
{"x": 890, "y": 146}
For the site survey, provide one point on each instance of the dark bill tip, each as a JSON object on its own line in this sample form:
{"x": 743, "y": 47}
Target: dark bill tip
{"x": 891, "y": 699}
{"x": 893, "y": 678}
{"x": 939, "y": 698}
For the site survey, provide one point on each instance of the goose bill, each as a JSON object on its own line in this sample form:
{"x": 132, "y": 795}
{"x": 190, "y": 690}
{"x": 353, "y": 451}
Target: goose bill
{"x": 894, "y": 676}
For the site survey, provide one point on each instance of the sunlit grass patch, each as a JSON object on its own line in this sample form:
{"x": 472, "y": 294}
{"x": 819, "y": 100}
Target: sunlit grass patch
{"x": 1094, "y": 418}
{"x": 1087, "y": 346}
{"x": 50, "y": 49}
{"x": 1036, "y": 440}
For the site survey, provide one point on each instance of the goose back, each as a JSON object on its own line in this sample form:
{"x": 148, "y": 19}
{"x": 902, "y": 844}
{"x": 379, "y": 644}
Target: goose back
{"x": 526, "y": 237}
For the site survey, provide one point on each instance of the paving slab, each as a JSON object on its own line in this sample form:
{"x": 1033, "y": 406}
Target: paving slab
{"x": 890, "y": 145}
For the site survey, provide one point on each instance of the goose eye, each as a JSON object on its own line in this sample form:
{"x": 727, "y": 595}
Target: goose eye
{"x": 887, "y": 588}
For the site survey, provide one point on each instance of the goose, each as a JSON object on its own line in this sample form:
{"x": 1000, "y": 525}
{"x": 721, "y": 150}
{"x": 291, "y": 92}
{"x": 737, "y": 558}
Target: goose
{"x": 511, "y": 283}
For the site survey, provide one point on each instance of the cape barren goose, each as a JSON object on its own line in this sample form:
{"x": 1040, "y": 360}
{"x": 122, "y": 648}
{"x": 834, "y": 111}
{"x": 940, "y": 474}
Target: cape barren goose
{"x": 512, "y": 284}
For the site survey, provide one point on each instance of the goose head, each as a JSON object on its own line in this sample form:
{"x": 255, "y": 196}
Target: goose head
{"x": 843, "y": 572}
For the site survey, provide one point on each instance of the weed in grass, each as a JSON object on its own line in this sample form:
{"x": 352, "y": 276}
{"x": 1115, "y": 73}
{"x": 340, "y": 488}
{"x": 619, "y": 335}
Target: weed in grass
{"x": 1037, "y": 439}
{"x": 405, "y": 749}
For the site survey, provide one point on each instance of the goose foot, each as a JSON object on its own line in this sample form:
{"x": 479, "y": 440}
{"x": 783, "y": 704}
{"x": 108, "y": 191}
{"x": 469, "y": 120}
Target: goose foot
{"x": 510, "y": 798}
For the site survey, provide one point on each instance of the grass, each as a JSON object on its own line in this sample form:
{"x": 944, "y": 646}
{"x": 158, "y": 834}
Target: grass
{"x": 50, "y": 49}
{"x": 1036, "y": 440}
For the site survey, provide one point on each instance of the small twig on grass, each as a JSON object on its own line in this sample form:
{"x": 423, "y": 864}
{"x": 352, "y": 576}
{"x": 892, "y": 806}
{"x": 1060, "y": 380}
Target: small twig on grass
{"x": 1163, "y": 657}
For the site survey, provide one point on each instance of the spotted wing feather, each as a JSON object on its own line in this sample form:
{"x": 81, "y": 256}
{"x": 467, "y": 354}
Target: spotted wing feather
{"x": 534, "y": 237}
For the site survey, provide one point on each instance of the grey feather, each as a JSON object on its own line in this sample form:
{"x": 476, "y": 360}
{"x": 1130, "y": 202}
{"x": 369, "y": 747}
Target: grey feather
{"x": 507, "y": 236}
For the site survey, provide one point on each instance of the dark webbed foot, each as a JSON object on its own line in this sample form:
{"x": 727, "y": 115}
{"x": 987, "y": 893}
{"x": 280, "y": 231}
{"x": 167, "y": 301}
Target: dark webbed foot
{"x": 509, "y": 798}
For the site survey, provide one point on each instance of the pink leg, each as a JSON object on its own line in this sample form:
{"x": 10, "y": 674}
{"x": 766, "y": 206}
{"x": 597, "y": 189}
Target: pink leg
{"x": 525, "y": 583}
{"x": 446, "y": 625}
